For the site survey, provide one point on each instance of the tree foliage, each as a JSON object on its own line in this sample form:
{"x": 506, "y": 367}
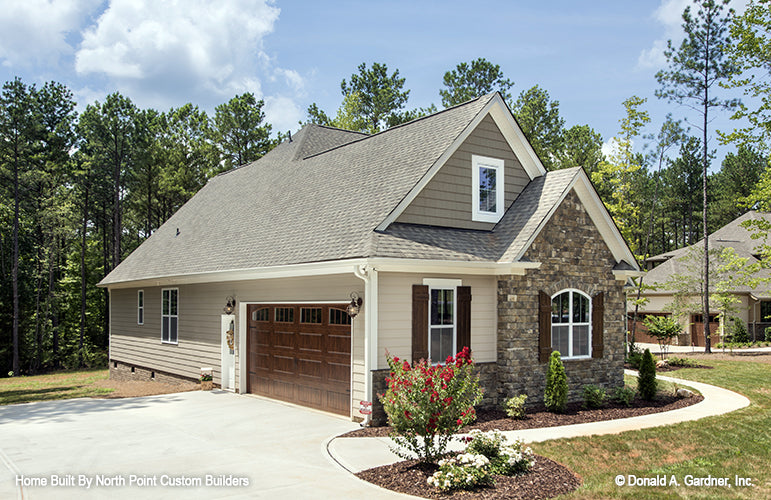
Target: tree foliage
{"x": 540, "y": 120}
{"x": 750, "y": 52}
{"x": 79, "y": 193}
{"x": 470, "y": 80}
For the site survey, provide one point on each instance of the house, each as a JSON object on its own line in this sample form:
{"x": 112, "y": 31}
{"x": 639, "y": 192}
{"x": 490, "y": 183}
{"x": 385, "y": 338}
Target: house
{"x": 751, "y": 302}
{"x": 449, "y": 230}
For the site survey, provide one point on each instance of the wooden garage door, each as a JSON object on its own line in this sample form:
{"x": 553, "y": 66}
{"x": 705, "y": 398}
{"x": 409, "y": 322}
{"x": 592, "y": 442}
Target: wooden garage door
{"x": 301, "y": 353}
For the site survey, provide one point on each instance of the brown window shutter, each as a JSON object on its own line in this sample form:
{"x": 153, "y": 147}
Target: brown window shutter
{"x": 544, "y": 327}
{"x": 598, "y": 325}
{"x": 419, "y": 322}
{"x": 464, "y": 318}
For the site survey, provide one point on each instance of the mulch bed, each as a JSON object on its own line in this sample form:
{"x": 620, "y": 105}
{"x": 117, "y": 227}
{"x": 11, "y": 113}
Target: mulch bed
{"x": 546, "y": 479}
{"x": 488, "y": 419}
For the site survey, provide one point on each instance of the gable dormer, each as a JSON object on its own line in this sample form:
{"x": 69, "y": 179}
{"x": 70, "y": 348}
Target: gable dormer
{"x": 477, "y": 179}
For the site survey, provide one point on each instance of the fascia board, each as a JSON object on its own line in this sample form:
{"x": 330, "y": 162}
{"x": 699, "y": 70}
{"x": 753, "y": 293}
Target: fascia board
{"x": 334, "y": 267}
{"x": 511, "y": 132}
{"x": 288, "y": 271}
{"x": 516, "y": 138}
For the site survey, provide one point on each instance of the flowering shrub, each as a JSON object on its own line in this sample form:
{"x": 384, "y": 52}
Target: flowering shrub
{"x": 505, "y": 458}
{"x": 515, "y": 406}
{"x": 462, "y": 472}
{"x": 426, "y": 404}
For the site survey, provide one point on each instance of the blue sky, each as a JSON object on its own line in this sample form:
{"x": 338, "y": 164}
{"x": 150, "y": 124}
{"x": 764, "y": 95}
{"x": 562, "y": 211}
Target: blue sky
{"x": 589, "y": 56}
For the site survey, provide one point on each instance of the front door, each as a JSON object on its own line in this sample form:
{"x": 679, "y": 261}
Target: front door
{"x": 228, "y": 352}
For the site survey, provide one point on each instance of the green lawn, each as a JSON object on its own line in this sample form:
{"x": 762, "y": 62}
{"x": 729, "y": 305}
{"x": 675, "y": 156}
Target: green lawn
{"x": 60, "y": 385}
{"x": 735, "y": 444}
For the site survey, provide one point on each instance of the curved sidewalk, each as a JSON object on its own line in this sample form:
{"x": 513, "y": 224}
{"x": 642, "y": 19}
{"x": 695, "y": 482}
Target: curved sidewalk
{"x": 357, "y": 454}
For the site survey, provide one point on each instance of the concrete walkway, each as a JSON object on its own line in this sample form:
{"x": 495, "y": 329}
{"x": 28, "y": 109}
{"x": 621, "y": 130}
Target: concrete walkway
{"x": 357, "y": 454}
{"x": 678, "y": 349}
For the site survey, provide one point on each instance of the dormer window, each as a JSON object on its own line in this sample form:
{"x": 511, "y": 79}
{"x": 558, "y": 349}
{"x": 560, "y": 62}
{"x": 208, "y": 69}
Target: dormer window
{"x": 487, "y": 189}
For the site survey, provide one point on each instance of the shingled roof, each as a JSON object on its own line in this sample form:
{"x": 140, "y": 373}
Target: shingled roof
{"x": 321, "y": 197}
{"x": 731, "y": 235}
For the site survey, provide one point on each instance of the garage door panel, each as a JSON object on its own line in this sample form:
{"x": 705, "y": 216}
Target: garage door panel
{"x": 283, "y": 339}
{"x": 307, "y": 341}
{"x": 309, "y": 368}
{"x": 282, "y": 390}
{"x": 297, "y": 353}
{"x": 338, "y": 372}
{"x": 339, "y": 344}
{"x": 283, "y": 365}
{"x": 310, "y": 396}
{"x": 338, "y": 402}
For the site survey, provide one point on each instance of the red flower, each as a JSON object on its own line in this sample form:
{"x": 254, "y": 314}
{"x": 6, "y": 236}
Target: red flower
{"x": 406, "y": 366}
{"x": 396, "y": 359}
{"x": 460, "y": 422}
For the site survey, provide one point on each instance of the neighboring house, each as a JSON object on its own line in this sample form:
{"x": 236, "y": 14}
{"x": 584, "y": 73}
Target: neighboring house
{"x": 447, "y": 227}
{"x": 752, "y": 304}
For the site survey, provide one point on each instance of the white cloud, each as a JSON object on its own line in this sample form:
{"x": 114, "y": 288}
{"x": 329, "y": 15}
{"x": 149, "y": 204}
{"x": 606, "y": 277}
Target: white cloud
{"x": 179, "y": 47}
{"x": 36, "y": 31}
{"x": 610, "y": 148}
{"x": 670, "y": 15}
{"x": 283, "y": 113}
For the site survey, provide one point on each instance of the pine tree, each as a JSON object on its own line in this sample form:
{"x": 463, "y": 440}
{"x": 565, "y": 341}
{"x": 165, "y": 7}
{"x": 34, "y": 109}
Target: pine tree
{"x": 555, "y": 396}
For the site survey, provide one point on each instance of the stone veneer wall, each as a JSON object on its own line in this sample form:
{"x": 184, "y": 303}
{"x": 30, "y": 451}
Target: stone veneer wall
{"x": 128, "y": 372}
{"x": 572, "y": 255}
{"x": 488, "y": 380}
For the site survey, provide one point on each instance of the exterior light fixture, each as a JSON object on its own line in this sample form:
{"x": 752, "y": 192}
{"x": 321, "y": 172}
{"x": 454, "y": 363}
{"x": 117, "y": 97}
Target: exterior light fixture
{"x": 355, "y": 305}
{"x": 230, "y": 306}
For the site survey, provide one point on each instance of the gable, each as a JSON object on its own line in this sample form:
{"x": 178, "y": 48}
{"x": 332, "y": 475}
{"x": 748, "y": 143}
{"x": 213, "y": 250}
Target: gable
{"x": 447, "y": 198}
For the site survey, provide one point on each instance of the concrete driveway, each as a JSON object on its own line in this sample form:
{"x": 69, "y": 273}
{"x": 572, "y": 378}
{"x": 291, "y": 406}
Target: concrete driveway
{"x": 186, "y": 445}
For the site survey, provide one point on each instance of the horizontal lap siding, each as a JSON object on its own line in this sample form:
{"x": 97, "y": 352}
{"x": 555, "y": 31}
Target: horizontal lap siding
{"x": 395, "y": 314}
{"x": 446, "y": 199}
{"x": 200, "y": 310}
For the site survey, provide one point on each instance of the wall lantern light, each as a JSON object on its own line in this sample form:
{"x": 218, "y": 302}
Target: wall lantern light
{"x": 230, "y": 306}
{"x": 355, "y": 305}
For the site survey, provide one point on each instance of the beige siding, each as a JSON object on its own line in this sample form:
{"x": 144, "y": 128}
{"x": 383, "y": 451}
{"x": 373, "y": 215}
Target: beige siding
{"x": 446, "y": 199}
{"x": 395, "y": 314}
{"x": 200, "y": 311}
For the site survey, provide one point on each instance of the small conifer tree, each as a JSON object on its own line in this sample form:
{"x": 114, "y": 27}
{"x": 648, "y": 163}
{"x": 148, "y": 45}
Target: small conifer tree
{"x": 555, "y": 396}
{"x": 646, "y": 379}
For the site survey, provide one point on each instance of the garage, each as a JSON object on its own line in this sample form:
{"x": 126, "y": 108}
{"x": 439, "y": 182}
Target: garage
{"x": 301, "y": 353}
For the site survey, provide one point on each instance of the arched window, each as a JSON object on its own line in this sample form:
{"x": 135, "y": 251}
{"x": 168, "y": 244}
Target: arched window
{"x": 571, "y": 324}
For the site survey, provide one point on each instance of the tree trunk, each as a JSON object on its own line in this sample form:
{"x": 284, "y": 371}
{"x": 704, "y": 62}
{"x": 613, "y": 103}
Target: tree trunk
{"x": 83, "y": 276}
{"x": 707, "y": 342}
{"x": 15, "y": 268}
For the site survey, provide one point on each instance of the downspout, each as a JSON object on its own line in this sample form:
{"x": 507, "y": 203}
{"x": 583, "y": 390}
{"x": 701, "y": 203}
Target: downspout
{"x": 369, "y": 276}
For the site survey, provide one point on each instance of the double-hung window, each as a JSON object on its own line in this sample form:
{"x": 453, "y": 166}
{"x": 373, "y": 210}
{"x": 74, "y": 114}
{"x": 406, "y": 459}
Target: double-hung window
{"x": 442, "y": 323}
{"x": 140, "y": 307}
{"x": 169, "y": 315}
{"x": 571, "y": 324}
{"x": 487, "y": 189}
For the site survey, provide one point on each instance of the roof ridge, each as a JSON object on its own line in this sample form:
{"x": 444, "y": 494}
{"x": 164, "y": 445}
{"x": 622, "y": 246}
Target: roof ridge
{"x": 402, "y": 125}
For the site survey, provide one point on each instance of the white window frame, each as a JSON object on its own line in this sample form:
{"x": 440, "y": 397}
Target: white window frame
{"x": 140, "y": 307}
{"x": 570, "y": 325}
{"x": 444, "y": 284}
{"x": 497, "y": 165}
{"x": 176, "y": 333}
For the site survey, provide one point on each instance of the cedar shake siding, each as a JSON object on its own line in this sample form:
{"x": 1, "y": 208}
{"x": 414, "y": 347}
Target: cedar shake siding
{"x": 573, "y": 255}
{"x": 446, "y": 199}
